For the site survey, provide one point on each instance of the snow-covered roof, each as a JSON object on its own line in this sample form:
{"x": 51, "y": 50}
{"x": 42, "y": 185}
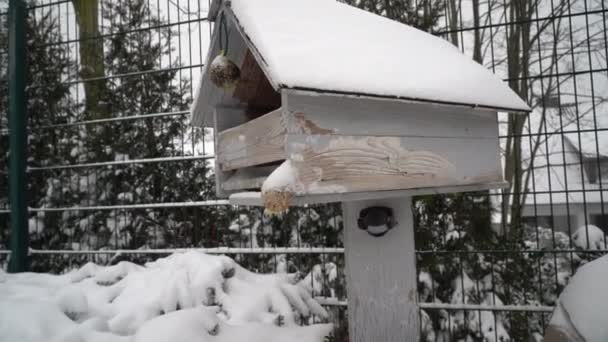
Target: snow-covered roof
{"x": 558, "y": 175}
{"x": 328, "y": 46}
{"x": 592, "y": 144}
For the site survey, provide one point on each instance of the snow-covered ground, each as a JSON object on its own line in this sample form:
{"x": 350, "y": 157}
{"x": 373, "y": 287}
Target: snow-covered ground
{"x": 184, "y": 297}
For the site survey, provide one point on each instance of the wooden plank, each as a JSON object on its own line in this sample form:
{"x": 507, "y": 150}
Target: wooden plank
{"x": 214, "y": 9}
{"x": 224, "y": 118}
{"x": 343, "y": 164}
{"x": 228, "y": 117}
{"x": 220, "y": 176}
{"x": 349, "y": 116}
{"x": 381, "y": 275}
{"x": 235, "y": 183}
{"x": 253, "y": 143}
{"x": 249, "y": 178}
{"x": 253, "y": 198}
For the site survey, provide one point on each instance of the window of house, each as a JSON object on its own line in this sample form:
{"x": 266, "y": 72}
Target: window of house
{"x": 591, "y": 170}
{"x": 560, "y": 223}
{"x": 600, "y": 220}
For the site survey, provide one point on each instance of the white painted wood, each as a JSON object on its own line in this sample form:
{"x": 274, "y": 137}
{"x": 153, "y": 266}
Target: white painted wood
{"x": 317, "y": 92}
{"x": 413, "y": 148}
{"x": 253, "y": 198}
{"x": 356, "y": 116}
{"x": 381, "y": 276}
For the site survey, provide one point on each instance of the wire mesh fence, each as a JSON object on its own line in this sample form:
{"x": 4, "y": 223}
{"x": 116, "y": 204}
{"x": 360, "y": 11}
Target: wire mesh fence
{"x": 116, "y": 172}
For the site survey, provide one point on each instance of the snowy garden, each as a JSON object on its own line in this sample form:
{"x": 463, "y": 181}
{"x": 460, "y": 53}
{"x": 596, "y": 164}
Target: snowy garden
{"x": 137, "y": 230}
{"x": 187, "y": 296}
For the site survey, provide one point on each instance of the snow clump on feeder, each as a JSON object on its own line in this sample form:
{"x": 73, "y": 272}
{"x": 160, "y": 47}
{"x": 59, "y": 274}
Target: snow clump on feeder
{"x": 279, "y": 188}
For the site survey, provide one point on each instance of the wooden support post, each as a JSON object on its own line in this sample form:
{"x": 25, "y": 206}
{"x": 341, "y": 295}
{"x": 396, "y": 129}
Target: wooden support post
{"x": 381, "y": 275}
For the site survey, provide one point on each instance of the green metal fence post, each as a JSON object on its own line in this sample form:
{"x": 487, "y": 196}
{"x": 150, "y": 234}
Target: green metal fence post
{"x": 18, "y": 137}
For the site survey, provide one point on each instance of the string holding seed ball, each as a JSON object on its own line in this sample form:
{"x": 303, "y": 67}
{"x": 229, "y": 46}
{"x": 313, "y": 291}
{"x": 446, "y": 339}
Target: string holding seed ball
{"x": 223, "y": 72}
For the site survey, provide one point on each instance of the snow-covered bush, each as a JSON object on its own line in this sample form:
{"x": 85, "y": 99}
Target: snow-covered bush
{"x": 580, "y": 313}
{"x": 589, "y": 237}
{"x": 184, "y": 297}
{"x": 466, "y": 262}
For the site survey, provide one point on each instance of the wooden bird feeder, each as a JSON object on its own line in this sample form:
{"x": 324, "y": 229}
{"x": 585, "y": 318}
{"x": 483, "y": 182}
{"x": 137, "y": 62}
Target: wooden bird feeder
{"x": 334, "y": 104}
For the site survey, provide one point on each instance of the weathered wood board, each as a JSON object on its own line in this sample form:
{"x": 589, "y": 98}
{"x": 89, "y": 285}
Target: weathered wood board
{"x": 381, "y": 276}
{"x": 254, "y": 198}
{"x": 373, "y": 117}
{"x": 342, "y": 164}
{"x": 256, "y": 142}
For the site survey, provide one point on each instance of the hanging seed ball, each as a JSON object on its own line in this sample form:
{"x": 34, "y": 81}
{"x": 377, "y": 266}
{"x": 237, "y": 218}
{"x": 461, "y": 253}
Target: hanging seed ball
{"x": 223, "y": 72}
{"x": 276, "y": 202}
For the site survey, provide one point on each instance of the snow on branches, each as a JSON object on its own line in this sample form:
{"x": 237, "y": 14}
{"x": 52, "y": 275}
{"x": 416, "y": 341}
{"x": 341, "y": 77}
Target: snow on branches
{"x": 187, "y": 297}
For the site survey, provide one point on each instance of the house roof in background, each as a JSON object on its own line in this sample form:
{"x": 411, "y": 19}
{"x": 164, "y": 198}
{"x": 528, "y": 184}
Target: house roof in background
{"x": 558, "y": 175}
{"x": 591, "y": 144}
{"x": 331, "y": 47}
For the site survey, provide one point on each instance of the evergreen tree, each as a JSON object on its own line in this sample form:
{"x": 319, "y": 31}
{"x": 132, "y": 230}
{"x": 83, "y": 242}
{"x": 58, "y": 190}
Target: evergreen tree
{"x": 422, "y": 14}
{"x": 53, "y": 99}
{"x": 48, "y": 102}
{"x": 153, "y": 88}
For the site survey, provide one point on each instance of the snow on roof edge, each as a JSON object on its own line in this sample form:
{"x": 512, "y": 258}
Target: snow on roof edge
{"x": 276, "y": 80}
{"x": 278, "y": 86}
{"x": 325, "y": 92}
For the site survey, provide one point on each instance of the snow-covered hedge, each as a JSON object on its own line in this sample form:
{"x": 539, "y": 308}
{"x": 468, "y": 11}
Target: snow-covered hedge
{"x": 184, "y": 297}
{"x": 528, "y": 266}
{"x": 580, "y": 313}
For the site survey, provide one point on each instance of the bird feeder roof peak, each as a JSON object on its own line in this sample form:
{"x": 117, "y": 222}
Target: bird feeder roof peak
{"x": 330, "y": 47}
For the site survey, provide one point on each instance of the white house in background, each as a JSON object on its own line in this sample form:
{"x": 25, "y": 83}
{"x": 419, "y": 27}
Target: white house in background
{"x": 570, "y": 182}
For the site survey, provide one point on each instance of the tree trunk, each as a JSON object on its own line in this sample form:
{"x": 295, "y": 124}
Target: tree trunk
{"x": 91, "y": 57}
{"x": 518, "y": 56}
{"x": 477, "y": 32}
{"x": 452, "y": 15}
